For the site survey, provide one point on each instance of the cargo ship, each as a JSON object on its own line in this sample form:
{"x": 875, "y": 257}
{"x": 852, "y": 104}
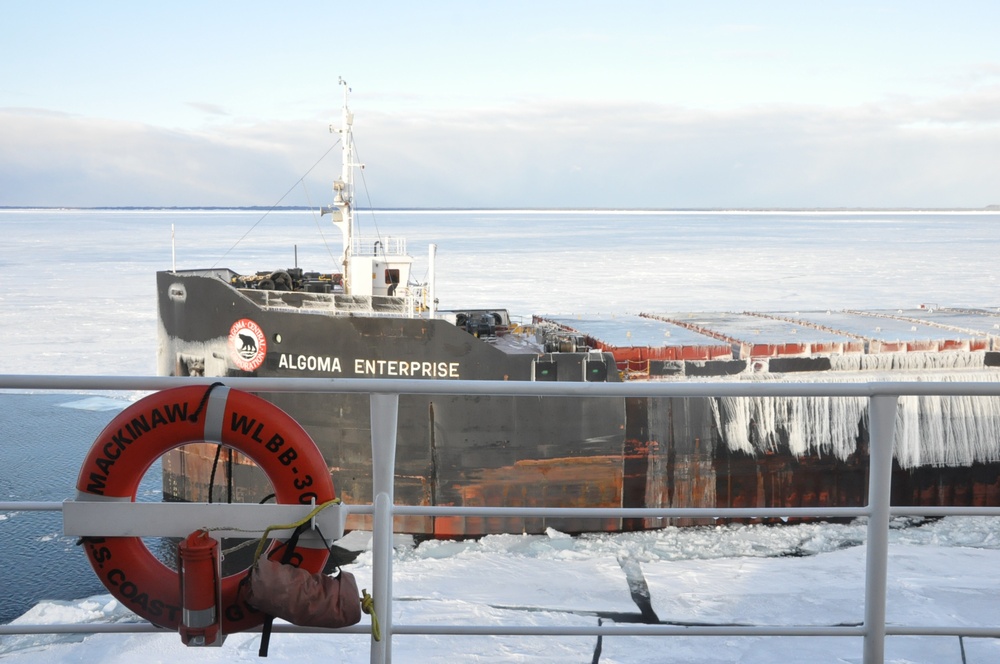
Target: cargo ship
{"x": 372, "y": 320}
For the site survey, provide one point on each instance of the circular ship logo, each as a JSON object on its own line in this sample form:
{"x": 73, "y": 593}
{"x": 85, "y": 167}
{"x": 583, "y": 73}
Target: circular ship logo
{"x": 247, "y": 344}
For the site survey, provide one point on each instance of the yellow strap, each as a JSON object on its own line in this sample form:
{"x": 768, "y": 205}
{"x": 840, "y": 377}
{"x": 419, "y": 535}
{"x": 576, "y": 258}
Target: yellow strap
{"x": 368, "y": 606}
{"x": 290, "y": 526}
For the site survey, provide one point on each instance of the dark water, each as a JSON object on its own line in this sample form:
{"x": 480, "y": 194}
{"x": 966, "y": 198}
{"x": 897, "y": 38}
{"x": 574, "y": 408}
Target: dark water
{"x": 42, "y": 445}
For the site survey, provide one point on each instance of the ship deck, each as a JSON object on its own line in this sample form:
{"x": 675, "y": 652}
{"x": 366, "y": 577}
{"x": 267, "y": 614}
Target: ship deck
{"x": 747, "y": 336}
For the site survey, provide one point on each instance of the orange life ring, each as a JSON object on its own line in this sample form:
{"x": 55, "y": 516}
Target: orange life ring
{"x": 137, "y": 437}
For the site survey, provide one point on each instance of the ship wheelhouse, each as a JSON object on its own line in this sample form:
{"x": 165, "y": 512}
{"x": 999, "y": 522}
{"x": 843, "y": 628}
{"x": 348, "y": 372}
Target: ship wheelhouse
{"x": 379, "y": 266}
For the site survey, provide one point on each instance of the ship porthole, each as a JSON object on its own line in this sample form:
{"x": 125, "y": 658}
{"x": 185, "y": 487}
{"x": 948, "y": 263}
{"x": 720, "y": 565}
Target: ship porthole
{"x": 277, "y": 338}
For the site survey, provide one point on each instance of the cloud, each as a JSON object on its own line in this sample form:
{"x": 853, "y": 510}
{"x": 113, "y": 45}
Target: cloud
{"x": 986, "y": 71}
{"x": 899, "y": 153}
{"x": 209, "y": 109}
{"x": 660, "y": 156}
{"x": 61, "y": 160}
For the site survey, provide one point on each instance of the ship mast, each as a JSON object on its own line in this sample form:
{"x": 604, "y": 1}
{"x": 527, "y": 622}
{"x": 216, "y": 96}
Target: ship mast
{"x": 343, "y": 187}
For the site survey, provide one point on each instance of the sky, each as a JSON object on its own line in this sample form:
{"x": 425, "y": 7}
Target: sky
{"x": 884, "y": 103}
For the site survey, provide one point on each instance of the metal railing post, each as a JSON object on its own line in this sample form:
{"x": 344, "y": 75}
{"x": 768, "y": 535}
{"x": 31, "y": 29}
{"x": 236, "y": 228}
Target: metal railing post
{"x": 384, "y": 413}
{"x": 881, "y": 429}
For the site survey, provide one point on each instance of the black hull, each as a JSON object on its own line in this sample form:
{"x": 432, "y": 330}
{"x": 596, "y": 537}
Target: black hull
{"x": 492, "y": 451}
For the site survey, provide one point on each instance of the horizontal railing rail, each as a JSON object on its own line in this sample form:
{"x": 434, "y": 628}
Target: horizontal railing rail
{"x": 509, "y": 388}
{"x": 882, "y": 396}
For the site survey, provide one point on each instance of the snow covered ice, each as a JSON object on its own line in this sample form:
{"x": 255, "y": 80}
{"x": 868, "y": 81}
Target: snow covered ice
{"x": 807, "y": 574}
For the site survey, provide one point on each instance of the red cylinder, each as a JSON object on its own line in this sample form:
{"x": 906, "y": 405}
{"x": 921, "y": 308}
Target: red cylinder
{"x": 198, "y": 565}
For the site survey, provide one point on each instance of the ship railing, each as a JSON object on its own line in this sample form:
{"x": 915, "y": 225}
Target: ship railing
{"x": 408, "y": 303}
{"x": 384, "y": 398}
{"x": 416, "y": 299}
{"x": 378, "y": 246}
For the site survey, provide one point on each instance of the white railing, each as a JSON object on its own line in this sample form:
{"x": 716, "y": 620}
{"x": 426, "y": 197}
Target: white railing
{"x": 378, "y": 245}
{"x": 882, "y": 397}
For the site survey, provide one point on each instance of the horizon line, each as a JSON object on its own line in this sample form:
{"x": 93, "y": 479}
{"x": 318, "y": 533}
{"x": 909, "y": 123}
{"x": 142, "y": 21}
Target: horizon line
{"x": 296, "y": 208}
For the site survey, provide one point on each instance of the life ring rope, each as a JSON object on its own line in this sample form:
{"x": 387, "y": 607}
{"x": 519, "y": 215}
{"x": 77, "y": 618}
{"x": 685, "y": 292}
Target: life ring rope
{"x": 267, "y": 531}
{"x": 162, "y": 421}
{"x": 368, "y": 606}
{"x": 290, "y": 526}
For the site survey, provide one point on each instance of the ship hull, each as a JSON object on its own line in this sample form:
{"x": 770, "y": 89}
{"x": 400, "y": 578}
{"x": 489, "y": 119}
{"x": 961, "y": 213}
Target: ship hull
{"x": 490, "y": 450}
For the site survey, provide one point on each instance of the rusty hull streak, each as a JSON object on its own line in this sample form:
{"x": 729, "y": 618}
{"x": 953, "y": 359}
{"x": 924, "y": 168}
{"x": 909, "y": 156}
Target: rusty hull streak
{"x": 568, "y": 481}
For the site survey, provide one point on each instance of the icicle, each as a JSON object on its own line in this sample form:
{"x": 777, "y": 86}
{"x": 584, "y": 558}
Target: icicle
{"x": 930, "y": 431}
{"x": 913, "y": 361}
